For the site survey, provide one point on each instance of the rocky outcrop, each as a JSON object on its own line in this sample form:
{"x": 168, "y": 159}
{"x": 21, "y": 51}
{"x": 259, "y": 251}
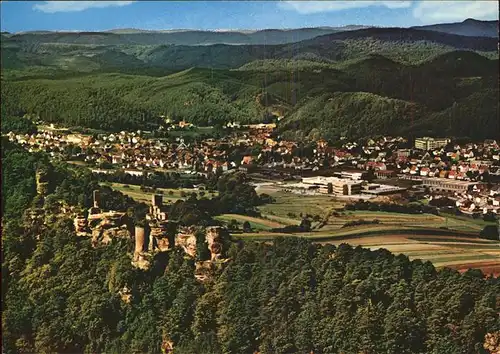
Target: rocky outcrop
{"x": 103, "y": 236}
{"x": 125, "y": 295}
{"x": 167, "y": 345}
{"x": 159, "y": 240}
{"x": 42, "y": 182}
{"x": 216, "y": 238}
{"x": 492, "y": 342}
{"x": 81, "y": 226}
{"x": 187, "y": 240}
{"x": 102, "y": 227}
{"x": 163, "y": 244}
{"x": 141, "y": 261}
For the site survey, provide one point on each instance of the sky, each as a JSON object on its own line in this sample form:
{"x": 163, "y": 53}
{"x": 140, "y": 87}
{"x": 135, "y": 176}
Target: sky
{"x": 18, "y": 16}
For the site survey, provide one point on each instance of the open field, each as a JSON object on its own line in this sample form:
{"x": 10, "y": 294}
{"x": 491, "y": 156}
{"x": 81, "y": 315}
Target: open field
{"x": 446, "y": 241}
{"x": 255, "y": 223}
{"x": 418, "y": 220}
{"x": 458, "y": 251}
{"x": 289, "y": 205}
{"x": 169, "y": 195}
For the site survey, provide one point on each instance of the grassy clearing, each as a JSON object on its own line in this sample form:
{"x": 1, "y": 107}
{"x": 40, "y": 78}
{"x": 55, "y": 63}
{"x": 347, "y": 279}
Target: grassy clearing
{"x": 462, "y": 218}
{"x": 281, "y": 220}
{"x": 289, "y": 205}
{"x": 255, "y": 223}
{"x": 169, "y": 194}
{"x": 378, "y": 229}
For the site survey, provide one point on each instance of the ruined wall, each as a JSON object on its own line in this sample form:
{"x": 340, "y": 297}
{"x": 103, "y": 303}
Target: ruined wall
{"x": 102, "y": 227}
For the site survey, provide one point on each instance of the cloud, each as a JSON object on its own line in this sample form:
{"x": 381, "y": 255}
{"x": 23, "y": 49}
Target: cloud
{"x": 74, "y": 6}
{"x": 443, "y": 11}
{"x": 310, "y": 7}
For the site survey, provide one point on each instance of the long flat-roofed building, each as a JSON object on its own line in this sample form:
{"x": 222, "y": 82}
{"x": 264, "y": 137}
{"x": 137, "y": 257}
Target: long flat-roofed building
{"x": 427, "y": 143}
{"x": 447, "y": 185}
{"x": 339, "y": 186}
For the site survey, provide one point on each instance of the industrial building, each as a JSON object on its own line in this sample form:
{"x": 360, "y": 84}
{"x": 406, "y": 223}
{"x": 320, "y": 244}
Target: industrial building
{"x": 329, "y": 185}
{"x": 354, "y": 175}
{"x": 381, "y": 189}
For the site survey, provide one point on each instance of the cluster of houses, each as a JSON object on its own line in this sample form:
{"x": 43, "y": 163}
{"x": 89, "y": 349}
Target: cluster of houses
{"x": 443, "y": 166}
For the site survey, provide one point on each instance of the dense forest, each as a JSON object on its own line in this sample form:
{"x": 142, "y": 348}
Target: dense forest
{"x": 289, "y": 296}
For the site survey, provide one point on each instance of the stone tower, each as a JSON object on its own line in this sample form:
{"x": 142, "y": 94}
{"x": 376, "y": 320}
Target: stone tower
{"x": 140, "y": 239}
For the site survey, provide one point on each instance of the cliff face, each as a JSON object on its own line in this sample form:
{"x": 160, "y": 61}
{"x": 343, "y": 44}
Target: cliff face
{"x": 204, "y": 270}
{"x": 187, "y": 240}
{"x": 216, "y": 238}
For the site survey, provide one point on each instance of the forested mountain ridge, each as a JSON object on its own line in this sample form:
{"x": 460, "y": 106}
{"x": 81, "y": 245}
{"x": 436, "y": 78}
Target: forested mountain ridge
{"x": 336, "y": 97}
{"x": 98, "y": 51}
{"x": 290, "y": 296}
{"x": 468, "y": 27}
{"x": 179, "y": 37}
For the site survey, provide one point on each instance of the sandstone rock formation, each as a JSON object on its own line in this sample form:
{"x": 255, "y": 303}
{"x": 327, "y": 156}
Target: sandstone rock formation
{"x": 216, "y": 238}
{"x": 187, "y": 240}
{"x": 492, "y": 342}
{"x": 102, "y": 227}
{"x": 125, "y": 295}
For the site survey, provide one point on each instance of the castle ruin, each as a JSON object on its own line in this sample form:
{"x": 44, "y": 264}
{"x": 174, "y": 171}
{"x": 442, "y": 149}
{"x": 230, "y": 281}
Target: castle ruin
{"x": 101, "y": 225}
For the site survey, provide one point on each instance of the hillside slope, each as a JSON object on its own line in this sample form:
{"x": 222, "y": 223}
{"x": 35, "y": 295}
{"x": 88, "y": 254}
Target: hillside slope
{"x": 100, "y": 51}
{"x": 469, "y": 27}
{"x": 371, "y": 95}
{"x": 179, "y": 37}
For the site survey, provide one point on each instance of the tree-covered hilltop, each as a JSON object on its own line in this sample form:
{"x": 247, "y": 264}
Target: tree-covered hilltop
{"x": 90, "y": 52}
{"x": 117, "y": 101}
{"x": 60, "y": 294}
{"x": 368, "y": 95}
{"x": 349, "y": 114}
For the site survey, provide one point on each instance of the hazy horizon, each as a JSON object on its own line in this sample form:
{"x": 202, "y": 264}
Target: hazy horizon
{"x": 93, "y": 16}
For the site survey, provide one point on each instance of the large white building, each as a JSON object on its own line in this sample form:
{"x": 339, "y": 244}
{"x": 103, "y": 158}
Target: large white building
{"x": 339, "y": 186}
{"x": 427, "y": 143}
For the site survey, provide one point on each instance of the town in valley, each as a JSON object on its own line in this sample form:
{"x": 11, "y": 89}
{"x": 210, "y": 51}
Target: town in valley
{"x": 250, "y": 177}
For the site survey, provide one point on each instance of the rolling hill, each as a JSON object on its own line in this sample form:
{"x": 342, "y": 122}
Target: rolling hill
{"x": 107, "y": 51}
{"x": 359, "y": 97}
{"x": 469, "y": 27}
{"x": 179, "y": 37}
{"x": 340, "y": 81}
